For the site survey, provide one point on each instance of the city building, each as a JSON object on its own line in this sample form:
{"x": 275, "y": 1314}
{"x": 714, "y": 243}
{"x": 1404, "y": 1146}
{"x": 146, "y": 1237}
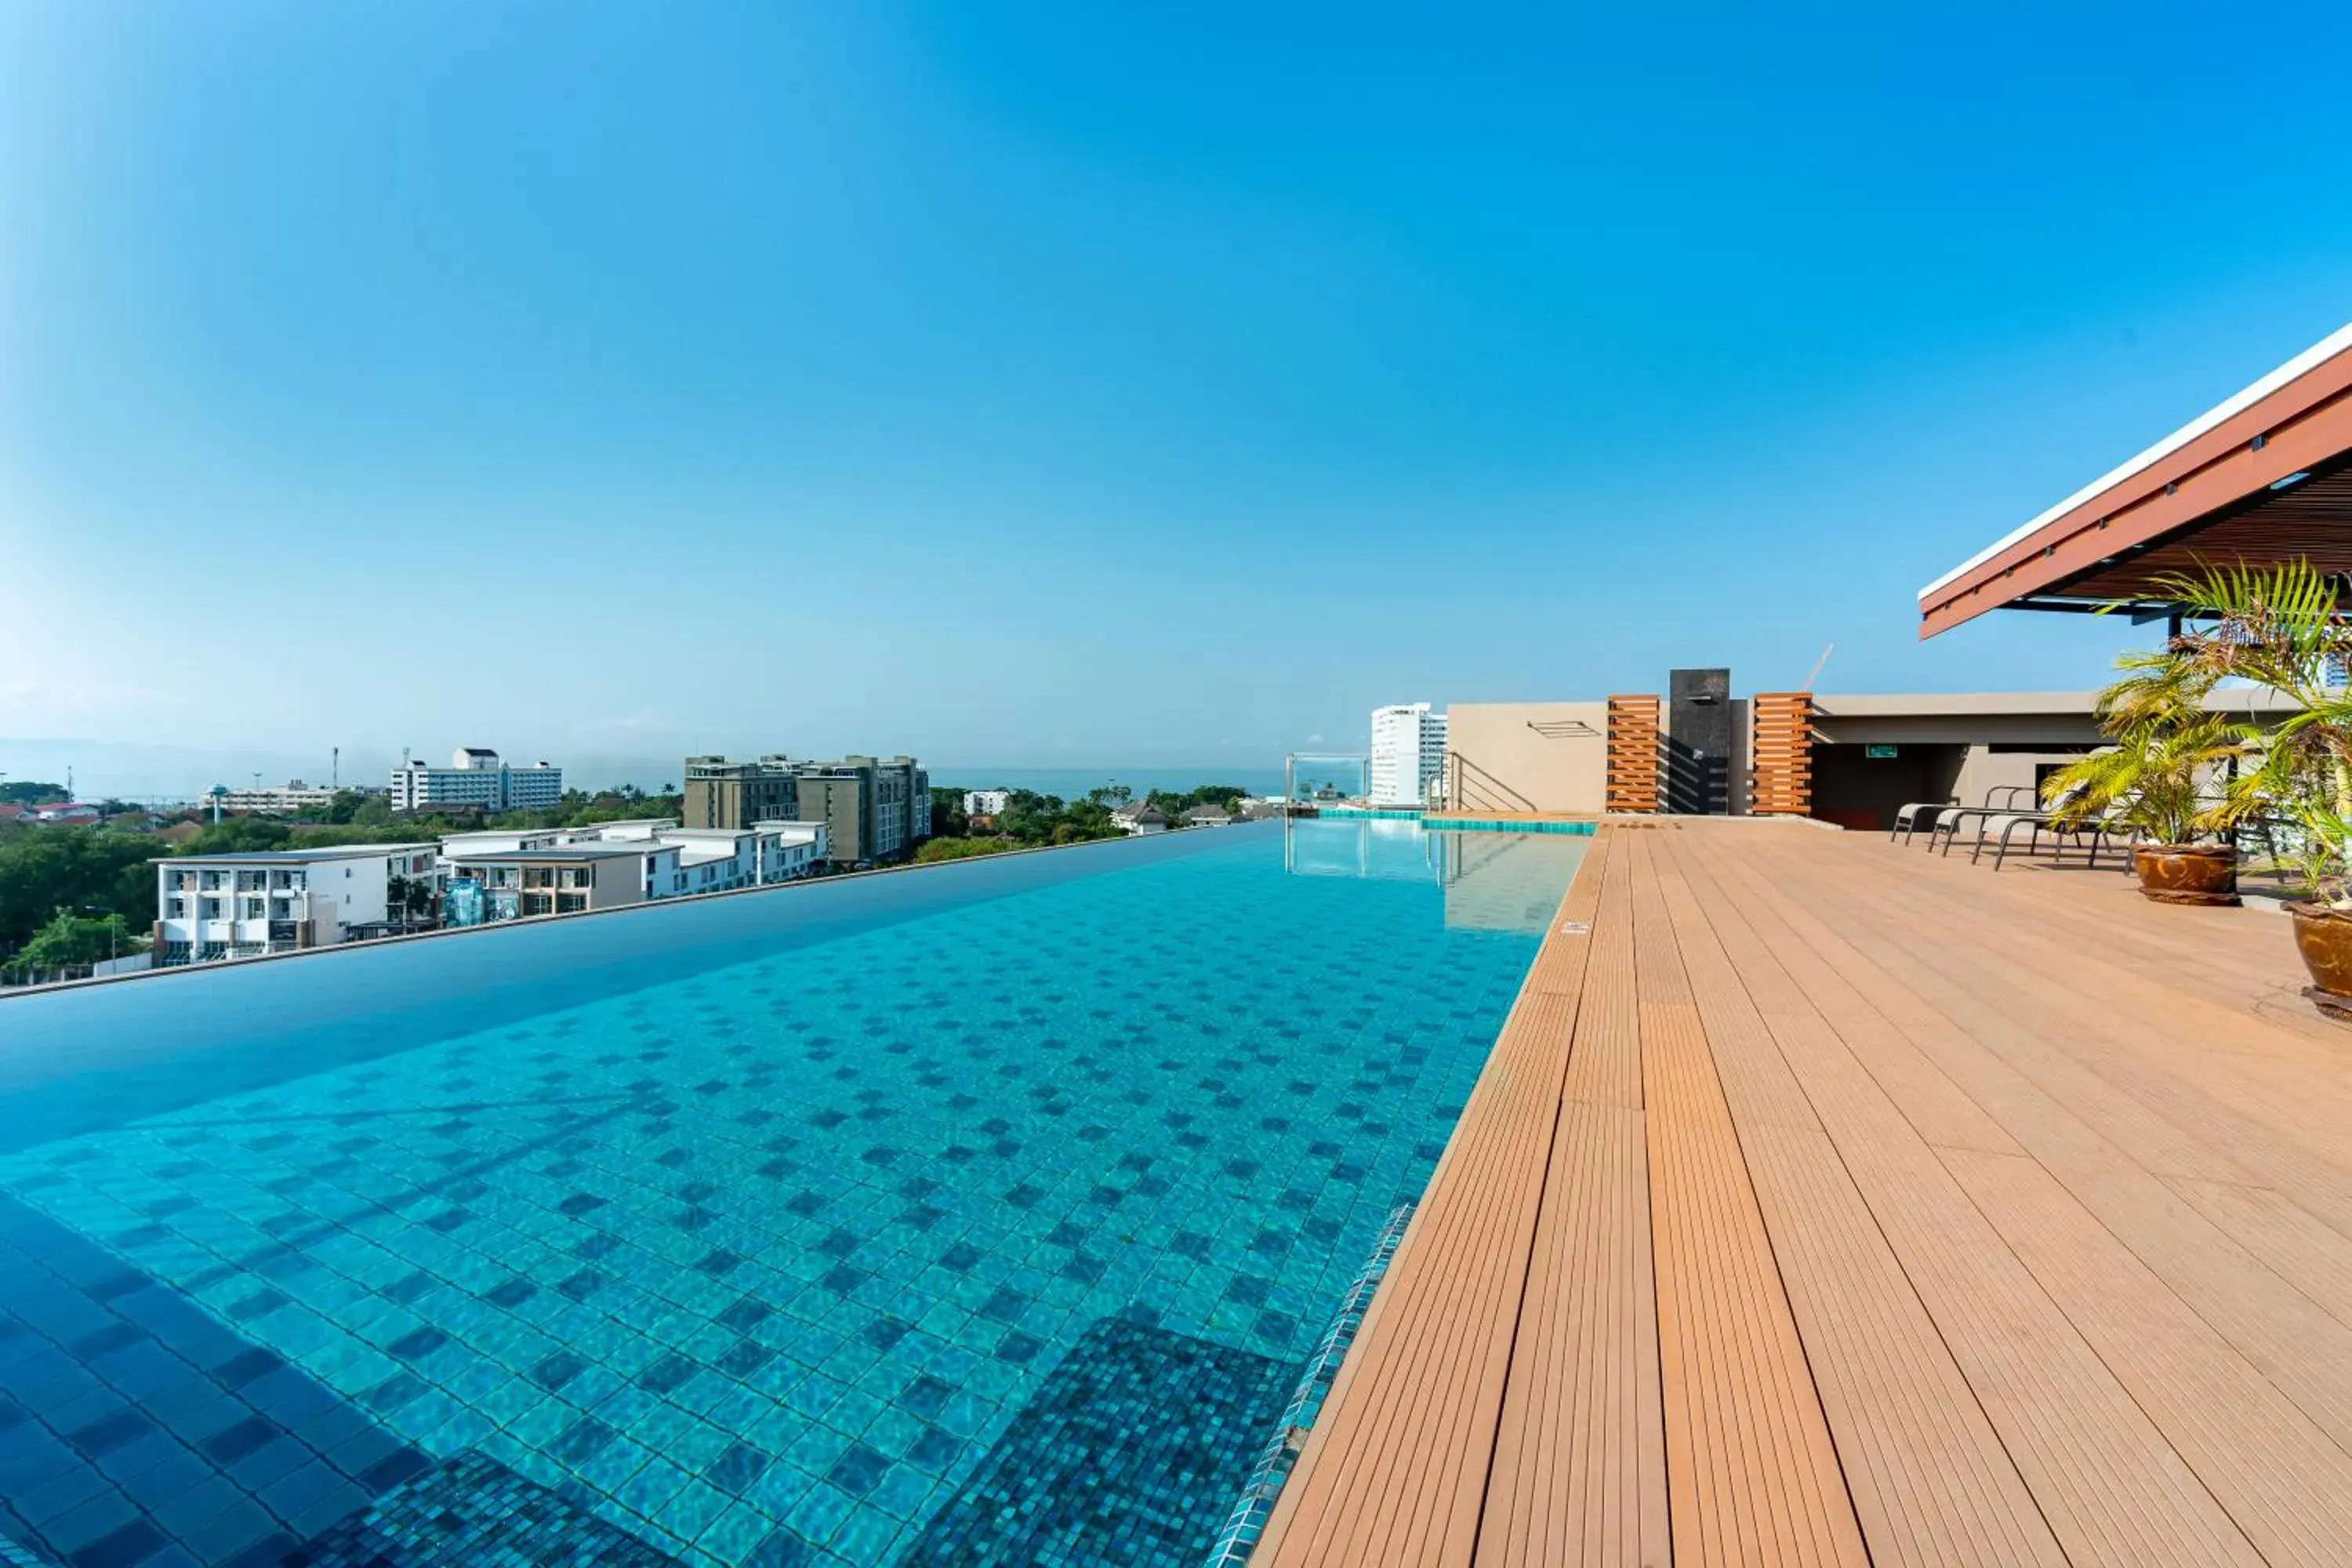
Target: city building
{"x": 478, "y": 779}
{"x": 487, "y": 885}
{"x": 873, "y": 809}
{"x": 288, "y": 799}
{"x": 1140, "y": 816}
{"x": 517, "y": 873}
{"x": 720, "y": 794}
{"x": 1408, "y": 754}
{"x": 986, "y": 801}
{"x": 212, "y": 907}
{"x": 720, "y": 859}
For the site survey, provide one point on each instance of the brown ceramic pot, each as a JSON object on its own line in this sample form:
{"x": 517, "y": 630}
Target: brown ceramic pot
{"x": 2324, "y": 937}
{"x": 2186, "y": 873}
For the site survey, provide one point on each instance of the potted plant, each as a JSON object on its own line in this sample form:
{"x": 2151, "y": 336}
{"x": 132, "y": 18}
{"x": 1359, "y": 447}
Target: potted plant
{"x": 2282, "y": 629}
{"x": 2165, "y": 748}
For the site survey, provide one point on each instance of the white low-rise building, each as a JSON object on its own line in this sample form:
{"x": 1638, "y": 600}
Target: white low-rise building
{"x": 986, "y": 801}
{"x": 489, "y": 885}
{"x": 213, "y": 907}
{"x": 719, "y": 859}
{"x": 517, "y": 874}
{"x": 280, "y": 800}
{"x": 1139, "y": 817}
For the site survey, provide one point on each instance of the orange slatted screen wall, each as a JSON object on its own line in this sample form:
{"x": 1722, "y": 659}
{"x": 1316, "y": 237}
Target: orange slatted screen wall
{"x": 1632, "y": 753}
{"x": 1781, "y": 783}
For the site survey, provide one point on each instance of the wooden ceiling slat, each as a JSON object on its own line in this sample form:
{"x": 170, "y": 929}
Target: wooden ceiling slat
{"x": 2301, "y": 523}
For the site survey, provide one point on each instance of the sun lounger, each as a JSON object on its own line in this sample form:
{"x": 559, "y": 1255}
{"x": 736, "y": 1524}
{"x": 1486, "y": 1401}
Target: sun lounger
{"x": 2091, "y": 832}
{"x": 1909, "y": 819}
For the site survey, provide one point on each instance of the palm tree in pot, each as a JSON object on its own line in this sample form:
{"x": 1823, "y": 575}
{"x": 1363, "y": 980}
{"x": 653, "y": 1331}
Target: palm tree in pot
{"x": 2284, "y": 629}
{"x": 2166, "y": 751}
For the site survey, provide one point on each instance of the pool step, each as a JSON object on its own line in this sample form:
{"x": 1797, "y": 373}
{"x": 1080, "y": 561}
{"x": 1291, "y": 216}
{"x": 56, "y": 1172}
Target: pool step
{"x": 1247, "y": 1521}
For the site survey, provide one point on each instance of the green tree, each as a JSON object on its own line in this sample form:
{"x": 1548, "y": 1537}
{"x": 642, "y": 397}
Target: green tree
{"x": 48, "y": 867}
{"x": 934, "y": 849}
{"x": 947, "y": 817}
{"x": 238, "y": 836}
{"x": 69, "y": 940}
{"x": 26, "y": 792}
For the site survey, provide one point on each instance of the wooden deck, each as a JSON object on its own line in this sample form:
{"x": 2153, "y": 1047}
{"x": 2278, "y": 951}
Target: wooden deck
{"x": 1825, "y": 1201}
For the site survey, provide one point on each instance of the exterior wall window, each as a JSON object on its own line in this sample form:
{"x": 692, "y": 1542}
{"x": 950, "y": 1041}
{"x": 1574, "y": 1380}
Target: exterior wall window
{"x": 538, "y": 904}
{"x": 538, "y": 877}
{"x": 569, "y": 903}
{"x": 177, "y": 908}
{"x": 251, "y": 909}
{"x": 210, "y": 908}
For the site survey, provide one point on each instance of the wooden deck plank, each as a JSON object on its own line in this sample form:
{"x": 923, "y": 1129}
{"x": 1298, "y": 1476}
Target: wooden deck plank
{"x": 1580, "y": 1472}
{"x": 2292, "y": 1337}
{"x": 2286, "y": 1484}
{"x": 1817, "y": 1199}
{"x": 1753, "y": 1477}
{"x": 2110, "y": 1485}
{"x": 1396, "y": 1469}
{"x": 1930, "y": 1481}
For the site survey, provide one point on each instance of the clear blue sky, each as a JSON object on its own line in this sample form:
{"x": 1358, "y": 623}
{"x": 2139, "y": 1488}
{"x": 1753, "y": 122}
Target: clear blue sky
{"x": 1089, "y": 383}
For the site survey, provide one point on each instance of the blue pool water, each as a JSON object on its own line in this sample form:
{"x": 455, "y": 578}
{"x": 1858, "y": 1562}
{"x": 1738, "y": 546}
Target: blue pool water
{"x": 982, "y": 1214}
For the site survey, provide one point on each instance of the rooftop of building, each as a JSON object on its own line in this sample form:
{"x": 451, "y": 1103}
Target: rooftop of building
{"x": 295, "y": 857}
{"x": 551, "y": 852}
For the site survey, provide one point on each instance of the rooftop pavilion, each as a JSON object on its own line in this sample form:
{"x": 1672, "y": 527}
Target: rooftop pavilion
{"x": 2264, "y": 477}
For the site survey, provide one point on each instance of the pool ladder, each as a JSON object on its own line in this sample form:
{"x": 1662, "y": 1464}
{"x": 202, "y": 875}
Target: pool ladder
{"x": 1256, "y": 1506}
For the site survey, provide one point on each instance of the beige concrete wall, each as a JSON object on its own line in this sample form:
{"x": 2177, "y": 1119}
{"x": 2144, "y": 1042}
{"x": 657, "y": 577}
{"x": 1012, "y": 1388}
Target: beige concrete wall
{"x": 1529, "y": 756}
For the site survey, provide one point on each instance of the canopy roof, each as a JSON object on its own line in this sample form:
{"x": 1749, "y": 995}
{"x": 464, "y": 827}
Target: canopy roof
{"x": 2265, "y": 476}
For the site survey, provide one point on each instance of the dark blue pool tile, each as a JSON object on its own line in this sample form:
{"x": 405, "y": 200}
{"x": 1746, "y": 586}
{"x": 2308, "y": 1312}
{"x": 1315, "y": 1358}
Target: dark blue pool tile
{"x": 737, "y": 1469}
{"x": 925, "y": 1396}
{"x": 107, "y": 1433}
{"x": 745, "y": 1314}
{"x": 844, "y": 1278}
{"x": 859, "y": 1470}
{"x": 743, "y": 1358}
{"x": 556, "y": 1369}
{"x": 582, "y": 1441}
{"x": 235, "y": 1444}
{"x": 127, "y": 1547}
{"x": 668, "y": 1374}
{"x": 510, "y": 1293}
{"x": 580, "y": 1286}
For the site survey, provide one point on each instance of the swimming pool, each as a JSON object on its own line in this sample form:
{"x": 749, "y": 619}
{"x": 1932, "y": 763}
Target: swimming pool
{"x": 982, "y": 1214}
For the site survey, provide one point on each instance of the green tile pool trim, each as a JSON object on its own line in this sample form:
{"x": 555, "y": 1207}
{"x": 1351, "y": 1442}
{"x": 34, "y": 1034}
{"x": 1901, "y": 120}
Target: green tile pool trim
{"x": 1479, "y": 824}
{"x": 1374, "y": 813}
